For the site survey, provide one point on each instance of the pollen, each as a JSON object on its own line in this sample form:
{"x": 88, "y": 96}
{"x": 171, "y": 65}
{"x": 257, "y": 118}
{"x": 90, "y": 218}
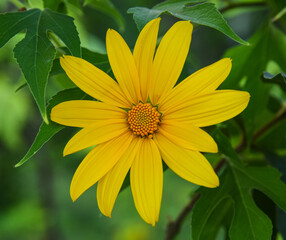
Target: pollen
{"x": 144, "y": 119}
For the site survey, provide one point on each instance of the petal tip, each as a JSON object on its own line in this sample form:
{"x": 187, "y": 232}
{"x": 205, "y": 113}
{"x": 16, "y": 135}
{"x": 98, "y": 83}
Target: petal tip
{"x": 65, "y": 153}
{"x": 52, "y": 114}
{"x": 73, "y": 196}
{"x": 215, "y": 183}
{"x": 215, "y": 148}
{"x": 67, "y": 150}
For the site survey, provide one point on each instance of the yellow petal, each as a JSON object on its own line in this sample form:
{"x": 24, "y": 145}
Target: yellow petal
{"x": 97, "y": 163}
{"x": 146, "y": 180}
{"x": 169, "y": 59}
{"x": 93, "y": 81}
{"x": 187, "y": 136}
{"x": 96, "y": 133}
{"x": 143, "y": 54}
{"x": 189, "y": 165}
{"x": 109, "y": 186}
{"x": 201, "y": 82}
{"x": 81, "y": 113}
{"x": 123, "y": 65}
{"x": 211, "y": 108}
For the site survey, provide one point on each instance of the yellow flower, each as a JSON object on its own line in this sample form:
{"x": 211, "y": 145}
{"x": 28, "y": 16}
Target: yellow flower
{"x": 144, "y": 118}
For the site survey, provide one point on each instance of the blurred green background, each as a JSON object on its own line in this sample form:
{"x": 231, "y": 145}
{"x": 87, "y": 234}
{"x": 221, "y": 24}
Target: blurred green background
{"x": 35, "y": 201}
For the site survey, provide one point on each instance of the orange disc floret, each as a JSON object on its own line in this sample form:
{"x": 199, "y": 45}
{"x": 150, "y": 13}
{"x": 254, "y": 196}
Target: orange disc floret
{"x": 143, "y": 119}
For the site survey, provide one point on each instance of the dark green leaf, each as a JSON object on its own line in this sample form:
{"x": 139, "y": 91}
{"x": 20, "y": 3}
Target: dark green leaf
{"x": 224, "y": 145}
{"x": 277, "y": 47}
{"x": 218, "y": 215}
{"x": 255, "y": 57}
{"x": 52, "y": 4}
{"x": 47, "y": 131}
{"x": 35, "y": 53}
{"x": 203, "y": 13}
{"x": 268, "y": 43}
{"x": 280, "y": 163}
{"x": 279, "y": 79}
{"x": 273, "y": 139}
{"x": 107, "y": 7}
{"x": 236, "y": 184}
{"x": 142, "y": 15}
{"x": 97, "y": 59}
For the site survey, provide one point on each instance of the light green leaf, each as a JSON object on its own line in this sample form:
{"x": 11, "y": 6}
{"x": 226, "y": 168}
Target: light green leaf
{"x": 14, "y": 112}
{"x": 35, "y": 53}
{"x": 47, "y": 131}
{"x": 107, "y": 7}
{"x": 203, "y": 13}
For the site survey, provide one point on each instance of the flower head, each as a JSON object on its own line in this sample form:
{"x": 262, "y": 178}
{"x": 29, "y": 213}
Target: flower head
{"x": 144, "y": 118}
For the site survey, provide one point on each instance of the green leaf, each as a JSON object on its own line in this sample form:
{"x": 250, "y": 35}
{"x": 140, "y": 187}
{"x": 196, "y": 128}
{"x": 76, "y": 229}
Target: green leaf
{"x": 203, "y": 13}
{"x": 279, "y": 79}
{"x": 280, "y": 163}
{"x": 237, "y": 182}
{"x": 220, "y": 216}
{"x": 274, "y": 139}
{"x": 225, "y": 146}
{"x": 255, "y": 56}
{"x": 277, "y": 47}
{"x": 35, "y": 53}
{"x": 52, "y": 4}
{"x": 267, "y": 44}
{"x": 107, "y": 7}
{"x": 97, "y": 59}
{"x": 47, "y": 131}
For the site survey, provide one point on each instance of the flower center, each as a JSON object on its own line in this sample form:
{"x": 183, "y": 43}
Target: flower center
{"x": 143, "y": 119}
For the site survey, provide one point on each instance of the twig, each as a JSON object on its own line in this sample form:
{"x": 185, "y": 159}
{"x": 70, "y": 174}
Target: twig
{"x": 56, "y": 42}
{"x": 174, "y": 227}
{"x": 243, "y": 4}
{"x": 281, "y": 114}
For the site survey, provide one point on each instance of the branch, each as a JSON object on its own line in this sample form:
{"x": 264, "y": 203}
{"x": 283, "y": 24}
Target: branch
{"x": 174, "y": 227}
{"x": 281, "y": 114}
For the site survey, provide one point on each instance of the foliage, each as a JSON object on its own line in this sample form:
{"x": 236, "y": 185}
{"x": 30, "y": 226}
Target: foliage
{"x": 251, "y": 146}
{"x": 35, "y": 53}
{"x": 200, "y": 12}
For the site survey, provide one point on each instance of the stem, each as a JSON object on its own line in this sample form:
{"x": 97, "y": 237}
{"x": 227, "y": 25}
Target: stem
{"x": 174, "y": 227}
{"x": 281, "y": 114}
{"x": 56, "y": 42}
{"x": 279, "y": 15}
{"x": 243, "y": 4}
{"x": 17, "y": 3}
